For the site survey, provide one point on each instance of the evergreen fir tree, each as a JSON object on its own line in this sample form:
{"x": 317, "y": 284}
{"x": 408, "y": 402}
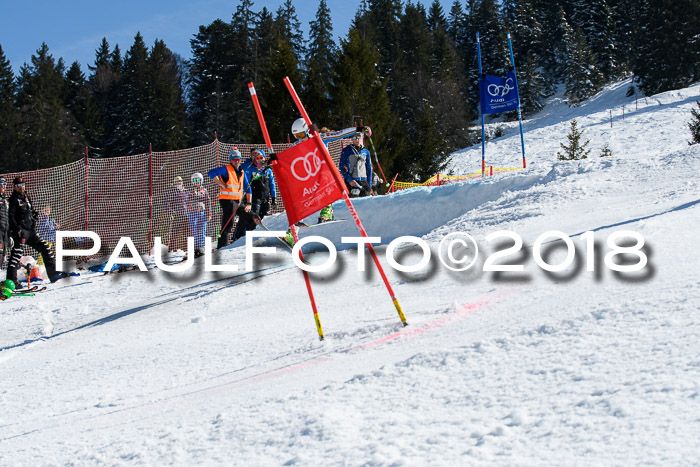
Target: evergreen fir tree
{"x": 594, "y": 17}
{"x": 583, "y": 79}
{"x": 319, "y": 65}
{"x": 383, "y": 17}
{"x": 44, "y": 137}
{"x": 265, "y": 42}
{"x": 456, "y": 23}
{"x": 624, "y": 13}
{"x": 209, "y": 82}
{"x": 531, "y": 86}
{"x": 694, "y": 125}
{"x": 289, "y": 27}
{"x": 526, "y": 32}
{"x": 358, "y": 93}
{"x": 495, "y": 57}
{"x": 667, "y": 49}
{"x": 239, "y": 114}
{"x": 103, "y": 85}
{"x": 82, "y": 107}
{"x": 576, "y": 149}
{"x": 436, "y": 17}
{"x": 280, "y": 110}
{"x": 557, "y": 34}
{"x": 606, "y": 151}
{"x": 167, "y": 124}
{"x": 132, "y": 109}
{"x": 510, "y": 9}
{"x": 8, "y": 116}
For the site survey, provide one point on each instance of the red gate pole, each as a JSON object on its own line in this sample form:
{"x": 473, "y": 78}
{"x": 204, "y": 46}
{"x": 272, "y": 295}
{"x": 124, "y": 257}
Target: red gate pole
{"x": 268, "y": 143}
{"x": 391, "y": 188}
{"x": 346, "y": 198}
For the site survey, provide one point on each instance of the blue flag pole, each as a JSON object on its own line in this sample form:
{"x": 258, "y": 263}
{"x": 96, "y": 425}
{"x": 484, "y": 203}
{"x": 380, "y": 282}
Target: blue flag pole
{"x": 517, "y": 91}
{"x": 481, "y": 110}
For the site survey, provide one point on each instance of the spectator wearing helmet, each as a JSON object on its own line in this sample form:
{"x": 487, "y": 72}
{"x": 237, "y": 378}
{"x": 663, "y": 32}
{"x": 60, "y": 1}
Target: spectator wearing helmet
{"x": 198, "y": 212}
{"x": 233, "y": 182}
{"x": 4, "y": 223}
{"x": 22, "y": 225}
{"x": 175, "y": 207}
{"x": 262, "y": 185}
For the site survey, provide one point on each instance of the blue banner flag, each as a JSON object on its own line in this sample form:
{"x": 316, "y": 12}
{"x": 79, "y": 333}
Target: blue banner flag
{"x": 498, "y": 94}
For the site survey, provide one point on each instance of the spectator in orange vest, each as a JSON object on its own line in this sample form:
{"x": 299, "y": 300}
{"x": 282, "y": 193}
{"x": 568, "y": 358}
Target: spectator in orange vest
{"x": 233, "y": 182}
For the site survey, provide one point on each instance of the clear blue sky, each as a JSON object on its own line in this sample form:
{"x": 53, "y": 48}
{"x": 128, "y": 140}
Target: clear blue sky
{"x": 74, "y": 29}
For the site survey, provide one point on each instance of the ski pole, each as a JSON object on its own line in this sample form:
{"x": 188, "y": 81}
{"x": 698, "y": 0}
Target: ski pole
{"x": 376, "y": 158}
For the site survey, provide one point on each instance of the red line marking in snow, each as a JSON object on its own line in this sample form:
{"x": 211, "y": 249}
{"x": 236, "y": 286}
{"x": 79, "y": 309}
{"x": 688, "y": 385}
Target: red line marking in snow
{"x": 407, "y": 332}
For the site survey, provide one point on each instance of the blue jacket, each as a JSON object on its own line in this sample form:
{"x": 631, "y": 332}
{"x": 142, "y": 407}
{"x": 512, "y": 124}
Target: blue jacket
{"x": 46, "y": 228}
{"x": 265, "y": 172}
{"x": 347, "y": 171}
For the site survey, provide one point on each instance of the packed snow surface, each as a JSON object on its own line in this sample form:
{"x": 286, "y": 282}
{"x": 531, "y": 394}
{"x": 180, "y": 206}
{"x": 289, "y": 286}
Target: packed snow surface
{"x": 583, "y": 366}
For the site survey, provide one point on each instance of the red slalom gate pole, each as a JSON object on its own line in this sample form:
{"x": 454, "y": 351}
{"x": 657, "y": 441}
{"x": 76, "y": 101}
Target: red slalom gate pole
{"x": 391, "y": 188}
{"x": 346, "y": 198}
{"x": 261, "y": 119}
{"x": 268, "y": 143}
{"x": 317, "y": 319}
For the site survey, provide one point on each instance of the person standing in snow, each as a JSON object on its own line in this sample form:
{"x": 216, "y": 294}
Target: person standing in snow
{"x": 198, "y": 212}
{"x": 377, "y": 183}
{"x": 22, "y": 225}
{"x": 175, "y": 206}
{"x": 262, "y": 185}
{"x": 234, "y": 183}
{"x": 356, "y": 166}
{"x": 46, "y": 225}
{"x": 4, "y": 223}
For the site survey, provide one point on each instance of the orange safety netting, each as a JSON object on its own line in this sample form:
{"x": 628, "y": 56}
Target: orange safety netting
{"x": 128, "y": 196}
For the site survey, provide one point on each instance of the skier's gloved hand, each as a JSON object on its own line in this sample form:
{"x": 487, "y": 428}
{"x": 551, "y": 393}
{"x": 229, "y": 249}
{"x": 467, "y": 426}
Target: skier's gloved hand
{"x": 273, "y": 202}
{"x": 368, "y": 131}
{"x": 272, "y": 157}
{"x": 314, "y": 127}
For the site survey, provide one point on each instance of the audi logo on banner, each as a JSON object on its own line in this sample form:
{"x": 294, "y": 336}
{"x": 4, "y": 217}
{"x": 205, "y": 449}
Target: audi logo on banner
{"x": 310, "y": 166}
{"x": 500, "y": 91}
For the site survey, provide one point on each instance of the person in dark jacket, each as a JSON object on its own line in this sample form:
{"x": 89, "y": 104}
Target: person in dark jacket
{"x": 262, "y": 185}
{"x": 4, "y": 223}
{"x": 356, "y": 167}
{"x": 22, "y": 224}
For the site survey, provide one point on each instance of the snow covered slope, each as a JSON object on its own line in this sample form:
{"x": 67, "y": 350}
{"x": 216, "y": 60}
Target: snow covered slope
{"x": 574, "y": 367}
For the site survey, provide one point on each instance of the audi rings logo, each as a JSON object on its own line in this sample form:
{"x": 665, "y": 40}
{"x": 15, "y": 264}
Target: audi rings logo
{"x": 310, "y": 166}
{"x": 500, "y": 91}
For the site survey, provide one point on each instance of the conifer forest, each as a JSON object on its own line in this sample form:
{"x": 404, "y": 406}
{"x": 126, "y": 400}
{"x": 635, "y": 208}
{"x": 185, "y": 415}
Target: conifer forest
{"x": 407, "y": 70}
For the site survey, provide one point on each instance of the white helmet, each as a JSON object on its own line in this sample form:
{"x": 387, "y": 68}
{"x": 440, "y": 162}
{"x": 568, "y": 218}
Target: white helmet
{"x": 196, "y": 178}
{"x": 299, "y": 128}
